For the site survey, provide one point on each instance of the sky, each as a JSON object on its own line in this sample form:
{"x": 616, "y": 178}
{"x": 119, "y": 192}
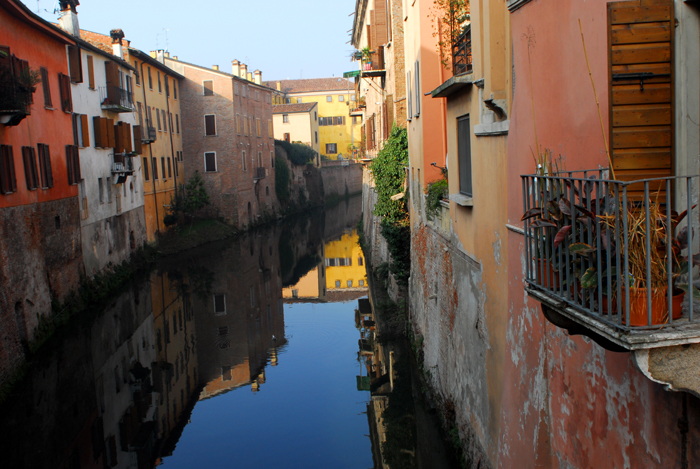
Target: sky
{"x": 283, "y": 39}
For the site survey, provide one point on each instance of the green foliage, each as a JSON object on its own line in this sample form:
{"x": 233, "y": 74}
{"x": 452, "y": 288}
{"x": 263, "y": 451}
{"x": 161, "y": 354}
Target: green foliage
{"x": 434, "y": 193}
{"x": 398, "y": 239}
{"x": 282, "y": 180}
{"x": 189, "y": 199}
{"x": 450, "y": 19}
{"x": 297, "y": 153}
{"x": 389, "y": 173}
{"x": 16, "y": 91}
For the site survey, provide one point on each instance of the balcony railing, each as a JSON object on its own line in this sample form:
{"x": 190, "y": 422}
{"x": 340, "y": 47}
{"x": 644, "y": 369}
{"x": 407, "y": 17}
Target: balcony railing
{"x": 113, "y": 98}
{"x": 462, "y": 53}
{"x": 259, "y": 173}
{"x": 608, "y": 252}
{"x": 123, "y": 164}
{"x": 149, "y": 134}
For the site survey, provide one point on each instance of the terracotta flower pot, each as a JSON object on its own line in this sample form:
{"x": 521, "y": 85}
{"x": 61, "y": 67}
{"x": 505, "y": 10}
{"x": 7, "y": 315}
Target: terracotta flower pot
{"x": 677, "y": 304}
{"x": 638, "y": 307}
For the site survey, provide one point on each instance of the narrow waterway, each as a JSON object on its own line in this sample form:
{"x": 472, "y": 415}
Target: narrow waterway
{"x": 262, "y": 351}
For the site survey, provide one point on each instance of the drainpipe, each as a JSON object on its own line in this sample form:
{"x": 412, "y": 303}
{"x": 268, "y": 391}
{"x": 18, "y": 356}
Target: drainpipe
{"x": 150, "y": 151}
{"x": 170, "y": 122}
{"x": 443, "y": 108}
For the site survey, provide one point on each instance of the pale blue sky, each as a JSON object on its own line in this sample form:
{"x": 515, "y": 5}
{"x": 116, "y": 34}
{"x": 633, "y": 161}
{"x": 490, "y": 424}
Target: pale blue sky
{"x": 282, "y": 38}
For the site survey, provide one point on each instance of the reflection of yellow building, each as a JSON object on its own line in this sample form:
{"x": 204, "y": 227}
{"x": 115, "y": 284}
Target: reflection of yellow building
{"x": 310, "y": 286}
{"x": 345, "y": 263}
{"x": 338, "y": 131}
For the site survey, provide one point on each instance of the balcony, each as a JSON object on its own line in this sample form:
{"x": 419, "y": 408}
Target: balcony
{"x": 148, "y": 135}
{"x": 376, "y": 67}
{"x": 259, "y": 173}
{"x": 122, "y": 166}
{"x": 603, "y": 254}
{"x": 462, "y": 53}
{"x": 115, "y": 99}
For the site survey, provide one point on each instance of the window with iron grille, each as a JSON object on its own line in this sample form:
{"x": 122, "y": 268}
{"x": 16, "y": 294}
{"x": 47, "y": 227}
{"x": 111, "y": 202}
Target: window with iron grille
{"x": 464, "y": 155}
{"x": 45, "y": 166}
{"x": 8, "y": 181}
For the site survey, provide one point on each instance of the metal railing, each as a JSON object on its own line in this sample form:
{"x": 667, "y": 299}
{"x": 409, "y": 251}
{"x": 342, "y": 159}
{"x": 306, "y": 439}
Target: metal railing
{"x": 259, "y": 173}
{"x": 149, "y": 134}
{"x": 462, "y": 53}
{"x": 123, "y": 163}
{"x": 115, "y": 98}
{"x": 613, "y": 250}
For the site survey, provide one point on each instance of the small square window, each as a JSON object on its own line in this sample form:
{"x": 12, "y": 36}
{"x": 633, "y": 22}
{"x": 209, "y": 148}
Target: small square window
{"x": 329, "y": 99}
{"x": 341, "y": 98}
{"x": 331, "y": 148}
{"x": 208, "y": 86}
{"x": 285, "y": 118}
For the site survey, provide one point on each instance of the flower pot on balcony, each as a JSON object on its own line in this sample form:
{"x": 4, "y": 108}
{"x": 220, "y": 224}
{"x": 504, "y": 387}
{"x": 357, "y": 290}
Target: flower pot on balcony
{"x": 542, "y": 274}
{"x": 638, "y": 307}
{"x": 677, "y": 304}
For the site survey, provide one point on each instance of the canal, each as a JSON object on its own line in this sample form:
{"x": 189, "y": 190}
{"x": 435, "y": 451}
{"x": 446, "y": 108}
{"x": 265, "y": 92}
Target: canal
{"x": 261, "y": 351}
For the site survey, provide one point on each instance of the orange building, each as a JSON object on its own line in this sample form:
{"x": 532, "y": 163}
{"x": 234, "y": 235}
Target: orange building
{"x": 40, "y": 253}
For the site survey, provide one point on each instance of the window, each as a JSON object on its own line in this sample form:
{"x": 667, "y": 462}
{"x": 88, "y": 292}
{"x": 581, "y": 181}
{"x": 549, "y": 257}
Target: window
{"x": 314, "y": 116}
{"x": 349, "y": 283}
{"x": 140, "y": 111}
{"x": 150, "y": 79}
{"x": 81, "y": 130}
{"x": 158, "y": 118}
{"x": 154, "y": 167}
{"x": 331, "y": 148}
{"x": 136, "y": 73}
{"x": 298, "y": 100}
{"x": 64, "y": 88}
{"x": 464, "y": 155}
{"x": 45, "y": 166}
{"x": 257, "y": 95}
{"x": 245, "y": 168}
{"x": 167, "y": 86}
{"x": 210, "y": 124}
{"x": 31, "y": 174}
{"x": 361, "y": 283}
{"x": 46, "y": 86}
{"x": 260, "y": 159}
{"x": 170, "y": 169}
{"x": 341, "y": 98}
{"x": 409, "y": 96}
{"x": 238, "y": 124}
{"x": 208, "y": 87}
{"x": 272, "y": 158}
{"x": 316, "y": 135}
{"x": 73, "y": 164}
{"x": 286, "y": 137}
{"x": 219, "y": 310}
{"x": 360, "y": 261}
{"x": 162, "y": 165}
{"x": 8, "y": 181}
{"x": 145, "y": 169}
{"x": 104, "y": 132}
{"x": 165, "y": 122}
{"x": 235, "y": 88}
{"x": 337, "y": 284}
{"x": 285, "y": 118}
{"x": 177, "y": 123}
{"x": 160, "y": 86}
{"x": 75, "y": 64}
{"x": 329, "y": 99}
{"x": 210, "y": 162}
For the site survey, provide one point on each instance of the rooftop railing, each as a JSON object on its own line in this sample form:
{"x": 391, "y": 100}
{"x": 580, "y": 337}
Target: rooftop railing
{"x": 613, "y": 250}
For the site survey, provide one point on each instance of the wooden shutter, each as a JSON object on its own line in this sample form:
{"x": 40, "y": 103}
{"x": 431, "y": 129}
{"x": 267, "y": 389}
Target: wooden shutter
{"x": 76, "y": 165}
{"x": 109, "y": 131}
{"x": 85, "y": 128}
{"x": 8, "y": 181}
{"x": 30, "y": 171}
{"x": 126, "y": 136}
{"x": 91, "y": 73}
{"x": 145, "y": 169}
{"x": 640, "y": 38}
{"x": 210, "y": 125}
{"x": 65, "y": 91}
{"x": 137, "y": 139}
{"x": 112, "y": 77}
{"x": 208, "y": 87}
{"x": 69, "y": 164}
{"x": 385, "y": 121}
{"x": 47, "y": 165}
{"x": 46, "y": 86}
{"x": 75, "y": 64}
{"x": 382, "y": 34}
{"x": 99, "y": 132}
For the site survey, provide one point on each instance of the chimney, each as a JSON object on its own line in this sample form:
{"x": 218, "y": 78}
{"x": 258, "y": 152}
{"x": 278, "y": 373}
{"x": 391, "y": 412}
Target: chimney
{"x": 250, "y": 76}
{"x": 153, "y": 54}
{"x": 160, "y": 56}
{"x": 258, "y": 77}
{"x": 236, "y": 68}
{"x": 244, "y": 71}
{"x": 117, "y": 36}
{"x": 215, "y": 67}
{"x": 174, "y": 57}
{"x": 68, "y": 21}
{"x": 167, "y": 55}
{"x": 279, "y": 86}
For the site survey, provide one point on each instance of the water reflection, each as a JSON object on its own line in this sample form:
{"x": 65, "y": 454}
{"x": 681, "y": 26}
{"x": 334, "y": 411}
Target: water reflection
{"x": 117, "y": 388}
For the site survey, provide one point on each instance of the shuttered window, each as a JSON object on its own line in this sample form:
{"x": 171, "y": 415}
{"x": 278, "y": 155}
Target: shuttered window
{"x": 91, "y": 72}
{"x": 158, "y": 119}
{"x": 31, "y": 175}
{"x": 210, "y": 162}
{"x": 154, "y": 167}
{"x": 162, "y": 164}
{"x": 122, "y": 138}
{"x": 46, "y": 86}
{"x": 114, "y": 94}
{"x": 170, "y": 168}
{"x": 145, "y": 169}
{"x": 45, "y": 166}
{"x": 75, "y": 64}
{"x": 464, "y": 150}
{"x": 73, "y": 164}
{"x": 210, "y": 124}
{"x": 66, "y": 97}
{"x": 177, "y": 123}
{"x": 208, "y": 87}
{"x": 8, "y": 180}
{"x": 641, "y": 91}
{"x": 137, "y": 139}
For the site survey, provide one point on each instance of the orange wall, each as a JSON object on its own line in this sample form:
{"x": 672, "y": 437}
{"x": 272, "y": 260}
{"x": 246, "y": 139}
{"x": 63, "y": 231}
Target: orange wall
{"x": 51, "y": 127}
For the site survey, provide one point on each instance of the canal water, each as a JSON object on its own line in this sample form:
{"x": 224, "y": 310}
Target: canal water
{"x": 261, "y": 351}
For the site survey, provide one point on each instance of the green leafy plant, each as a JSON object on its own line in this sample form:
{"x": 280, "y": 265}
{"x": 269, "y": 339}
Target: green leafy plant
{"x": 434, "y": 193}
{"x": 189, "y": 200}
{"x": 297, "y": 153}
{"x": 449, "y": 18}
{"x": 16, "y": 90}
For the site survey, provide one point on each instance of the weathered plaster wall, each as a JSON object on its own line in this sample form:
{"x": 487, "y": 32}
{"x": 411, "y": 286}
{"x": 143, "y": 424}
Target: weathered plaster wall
{"x": 341, "y": 180}
{"x": 113, "y": 239}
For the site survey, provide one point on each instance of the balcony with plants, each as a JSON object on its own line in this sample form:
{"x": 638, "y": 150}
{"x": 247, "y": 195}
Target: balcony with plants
{"x": 613, "y": 260}
{"x": 17, "y": 87}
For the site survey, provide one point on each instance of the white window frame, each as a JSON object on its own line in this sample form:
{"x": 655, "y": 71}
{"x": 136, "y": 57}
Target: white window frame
{"x": 216, "y": 162}
{"x": 216, "y": 130}
{"x": 212, "y": 87}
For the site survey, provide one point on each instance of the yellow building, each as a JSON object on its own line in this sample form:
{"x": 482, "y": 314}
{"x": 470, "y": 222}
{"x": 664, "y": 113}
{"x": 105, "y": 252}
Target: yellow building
{"x": 297, "y": 123}
{"x": 339, "y": 133}
{"x": 345, "y": 263}
{"x": 158, "y": 106}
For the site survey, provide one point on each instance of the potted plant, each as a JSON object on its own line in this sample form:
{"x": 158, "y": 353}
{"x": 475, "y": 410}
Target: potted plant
{"x": 16, "y": 92}
{"x": 367, "y": 58}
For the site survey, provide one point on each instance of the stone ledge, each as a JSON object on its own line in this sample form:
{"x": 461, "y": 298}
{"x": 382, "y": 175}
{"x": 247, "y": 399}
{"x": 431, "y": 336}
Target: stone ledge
{"x": 463, "y": 200}
{"x": 490, "y": 130}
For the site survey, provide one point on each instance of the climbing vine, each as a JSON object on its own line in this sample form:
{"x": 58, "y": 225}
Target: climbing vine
{"x": 449, "y": 18}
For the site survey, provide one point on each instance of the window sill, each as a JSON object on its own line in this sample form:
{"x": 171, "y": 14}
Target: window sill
{"x": 463, "y": 200}
{"x": 492, "y": 130}
{"x": 49, "y": 108}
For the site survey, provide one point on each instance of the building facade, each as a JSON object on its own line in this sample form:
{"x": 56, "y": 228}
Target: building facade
{"x": 40, "y": 256}
{"x": 231, "y": 147}
{"x": 339, "y": 132}
{"x": 297, "y": 123}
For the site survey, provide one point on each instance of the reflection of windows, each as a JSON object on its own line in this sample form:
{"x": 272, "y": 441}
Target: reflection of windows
{"x": 226, "y": 373}
{"x": 223, "y": 330}
{"x": 349, "y": 283}
{"x": 295, "y": 293}
{"x": 361, "y": 283}
{"x": 360, "y": 261}
{"x": 339, "y": 261}
{"x": 225, "y": 345}
{"x": 219, "y": 305}
{"x": 337, "y": 284}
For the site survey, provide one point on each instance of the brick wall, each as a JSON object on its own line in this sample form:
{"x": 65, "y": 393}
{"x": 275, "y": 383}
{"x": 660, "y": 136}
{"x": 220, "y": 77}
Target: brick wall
{"x": 339, "y": 180}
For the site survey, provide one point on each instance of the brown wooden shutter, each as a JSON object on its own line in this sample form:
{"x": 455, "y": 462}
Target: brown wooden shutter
{"x": 112, "y": 78}
{"x": 66, "y": 97}
{"x": 8, "y": 180}
{"x": 208, "y": 87}
{"x": 75, "y": 64}
{"x": 137, "y": 139}
{"x": 30, "y": 171}
{"x": 111, "y": 140}
{"x": 640, "y": 36}
{"x": 76, "y": 165}
{"x": 382, "y": 35}
{"x": 118, "y": 139}
{"x": 126, "y": 132}
{"x": 85, "y": 127}
{"x": 91, "y": 72}
{"x": 210, "y": 125}
{"x": 45, "y": 159}
{"x": 46, "y": 86}
{"x": 98, "y": 132}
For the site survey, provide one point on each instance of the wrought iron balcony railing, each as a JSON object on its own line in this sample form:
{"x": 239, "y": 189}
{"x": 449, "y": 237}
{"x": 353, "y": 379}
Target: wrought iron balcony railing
{"x": 615, "y": 253}
{"x": 113, "y": 98}
{"x": 462, "y": 53}
{"x": 149, "y": 134}
{"x": 259, "y": 173}
{"x": 123, "y": 164}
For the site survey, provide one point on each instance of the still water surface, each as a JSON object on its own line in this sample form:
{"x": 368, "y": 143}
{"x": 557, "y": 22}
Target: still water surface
{"x": 254, "y": 352}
